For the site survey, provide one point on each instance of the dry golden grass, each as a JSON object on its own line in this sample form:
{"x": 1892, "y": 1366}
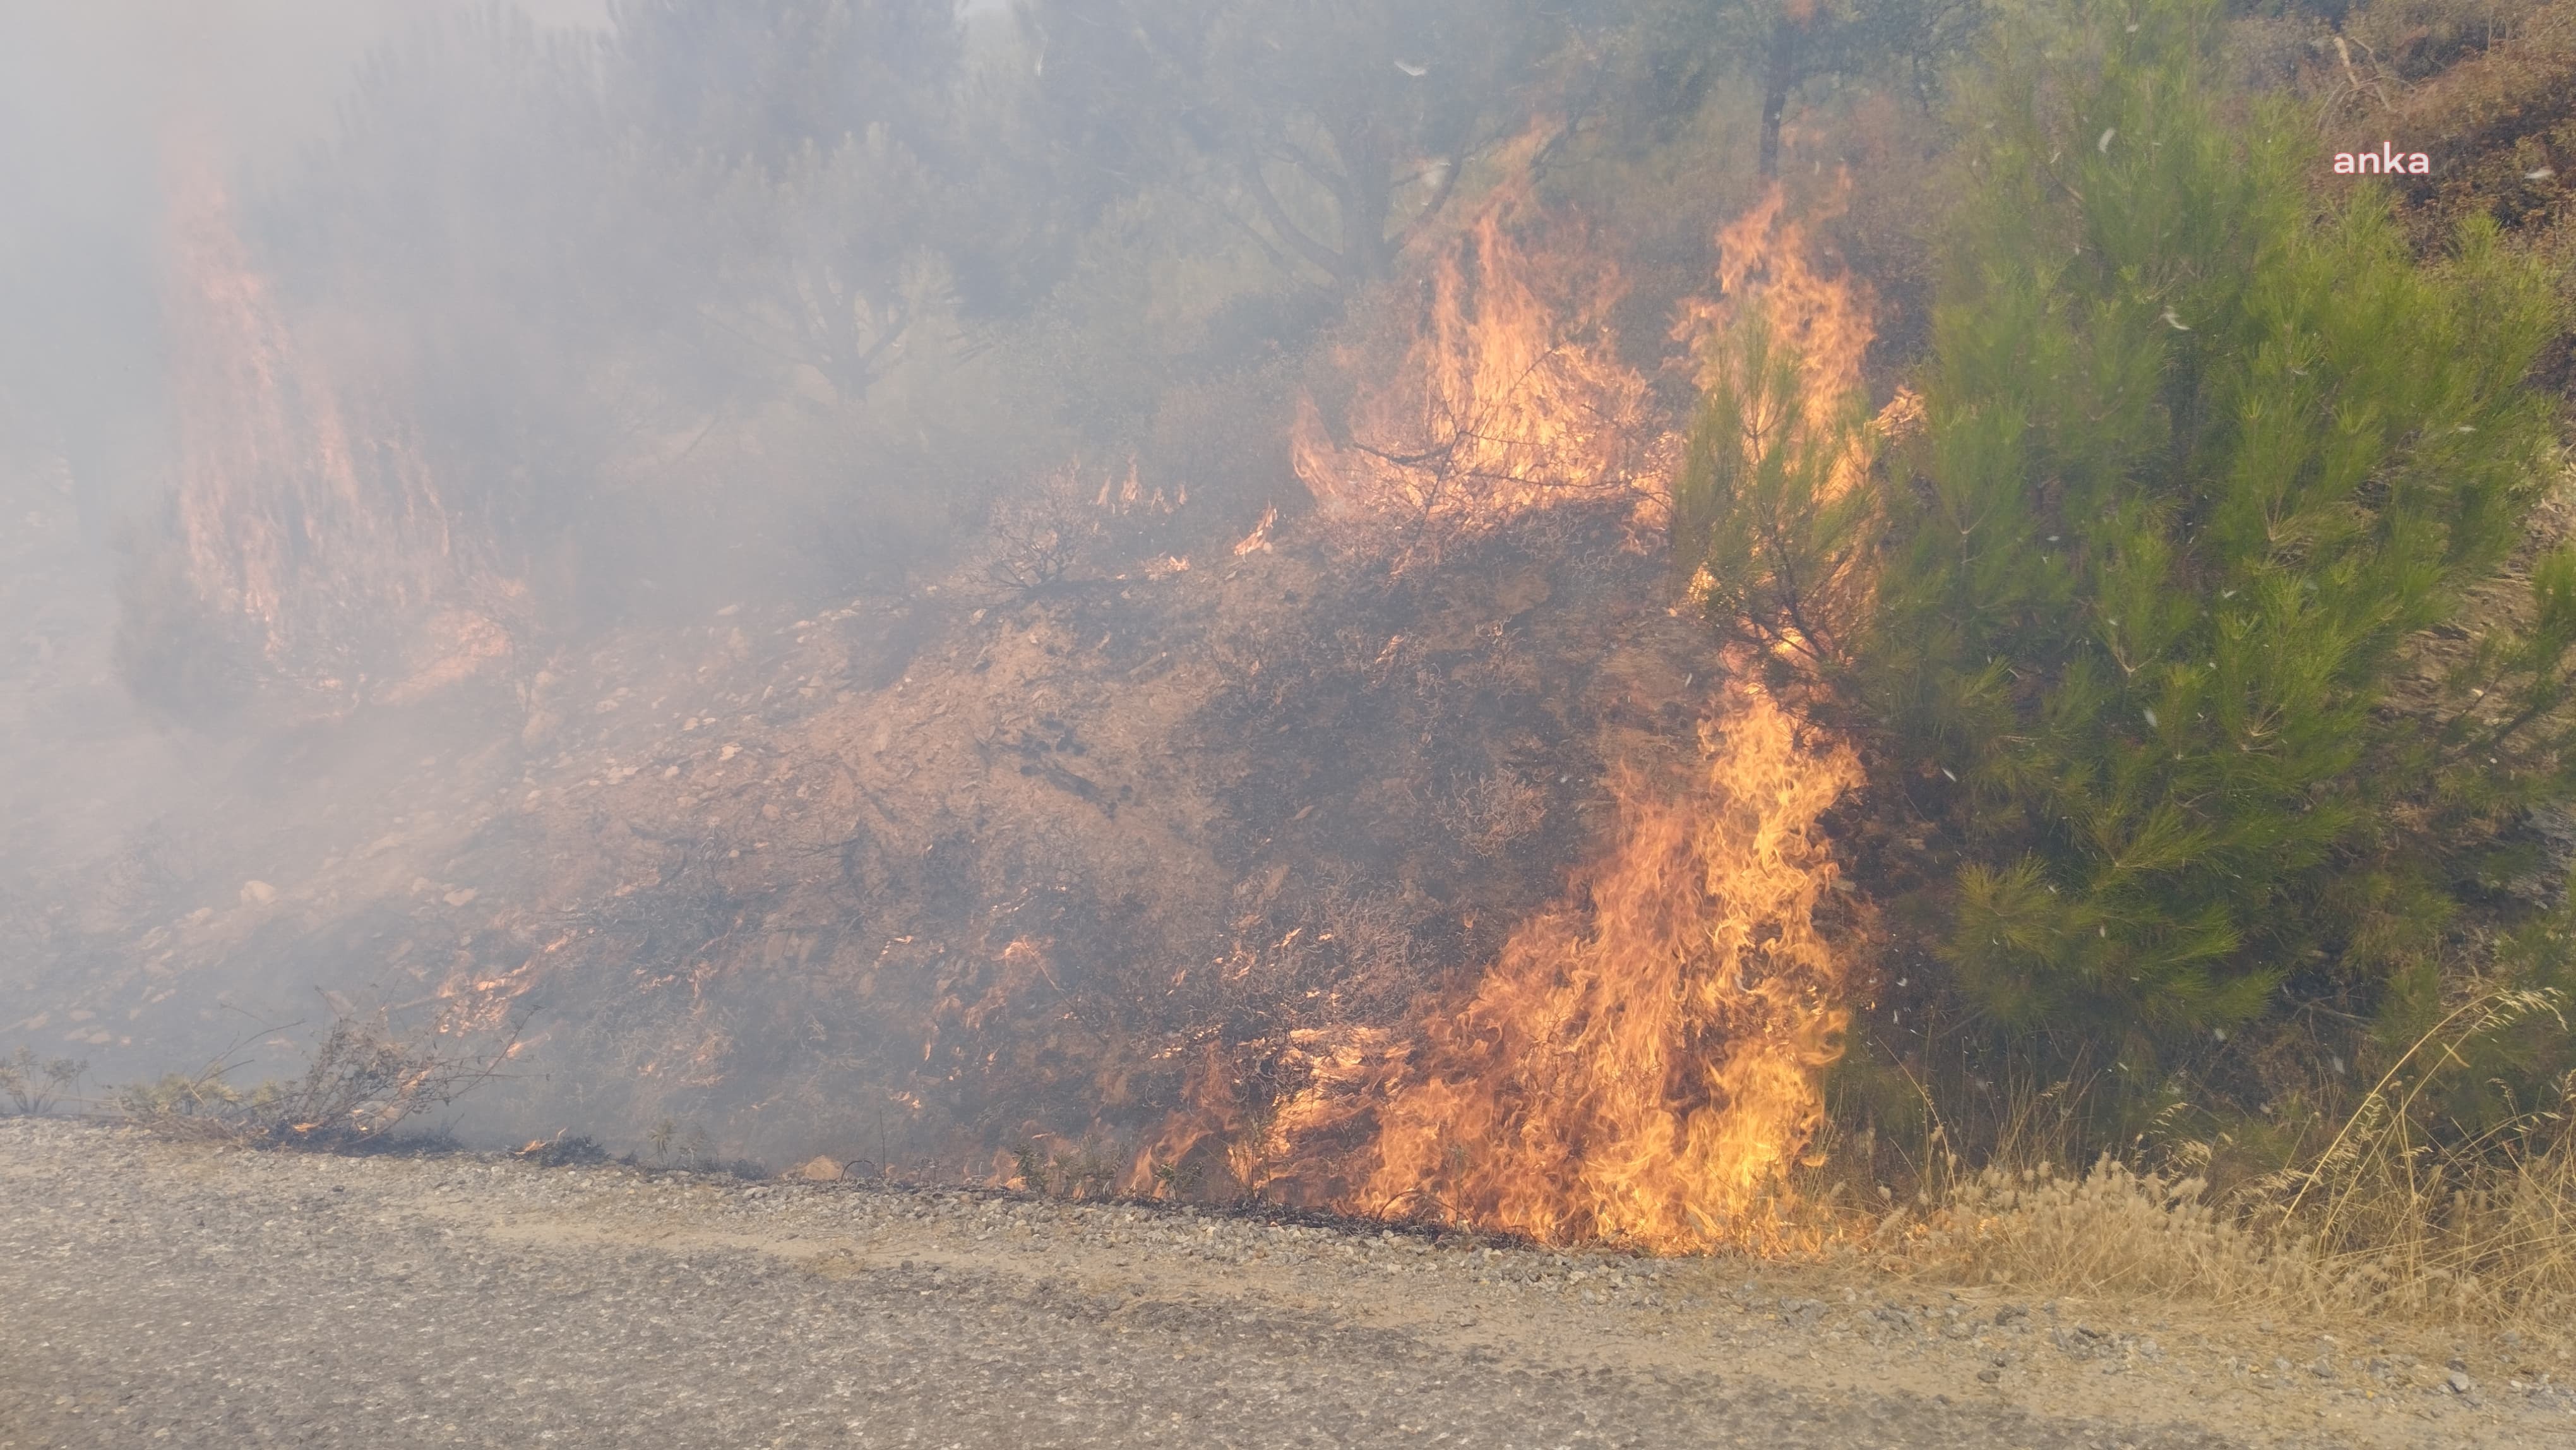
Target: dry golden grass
{"x": 2388, "y": 1220}
{"x": 2498, "y": 1250}
{"x": 2109, "y": 1231}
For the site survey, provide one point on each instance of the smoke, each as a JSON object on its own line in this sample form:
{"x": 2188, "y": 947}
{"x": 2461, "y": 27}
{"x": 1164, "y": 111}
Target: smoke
{"x": 95, "y": 99}
{"x": 986, "y": 573}
{"x": 102, "y": 106}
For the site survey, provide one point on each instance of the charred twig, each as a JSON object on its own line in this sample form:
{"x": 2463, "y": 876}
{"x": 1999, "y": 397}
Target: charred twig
{"x": 363, "y": 1080}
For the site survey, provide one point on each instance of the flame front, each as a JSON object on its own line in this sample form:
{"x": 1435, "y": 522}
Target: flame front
{"x": 1644, "y": 1061}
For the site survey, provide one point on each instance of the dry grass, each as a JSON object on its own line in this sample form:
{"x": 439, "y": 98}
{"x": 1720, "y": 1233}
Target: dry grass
{"x": 2481, "y": 1226}
{"x": 2389, "y": 1219}
{"x": 2110, "y": 1231}
{"x": 2499, "y": 1250}
{"x": 2497, "y": 1245}
{"x": 1089, "y": 1169}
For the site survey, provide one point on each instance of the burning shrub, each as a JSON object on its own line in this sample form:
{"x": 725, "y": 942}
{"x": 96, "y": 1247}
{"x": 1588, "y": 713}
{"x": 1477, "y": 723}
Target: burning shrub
{"x": 1771, "y": 513}
{"x": 1508, "y": 395}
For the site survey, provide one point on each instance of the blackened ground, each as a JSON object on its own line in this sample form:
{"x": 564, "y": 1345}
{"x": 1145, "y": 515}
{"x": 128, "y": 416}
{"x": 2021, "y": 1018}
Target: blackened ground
{"x": 153, "y": 1293}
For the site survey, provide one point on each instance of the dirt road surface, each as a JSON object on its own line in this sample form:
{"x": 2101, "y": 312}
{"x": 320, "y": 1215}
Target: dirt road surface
{"x": 162, "y": 1294}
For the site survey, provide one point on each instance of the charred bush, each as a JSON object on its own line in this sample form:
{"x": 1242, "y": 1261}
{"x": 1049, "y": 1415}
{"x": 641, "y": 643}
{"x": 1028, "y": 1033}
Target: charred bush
{"x": 35, "y": 1088}
{"x": 563, "y": 1150}
{"x": 1038, "y": 539}
{"x": 363, "y": 1079}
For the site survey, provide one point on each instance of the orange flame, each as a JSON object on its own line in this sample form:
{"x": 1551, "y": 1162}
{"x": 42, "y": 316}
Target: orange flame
{"x": 1768, "y": 281}
{"x": 326, "y": 537}
{"x": 1510, "y": 398}
{"x": 1644, "y": 1062}
{"x": 1765, "y": 260}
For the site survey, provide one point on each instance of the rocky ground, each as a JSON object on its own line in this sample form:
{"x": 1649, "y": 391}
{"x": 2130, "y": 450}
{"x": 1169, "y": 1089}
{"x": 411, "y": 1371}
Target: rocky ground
{"x": 153, "y": 1293}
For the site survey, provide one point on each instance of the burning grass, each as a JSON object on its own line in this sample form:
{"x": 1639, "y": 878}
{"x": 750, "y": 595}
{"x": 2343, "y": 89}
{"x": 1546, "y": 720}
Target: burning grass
{"x": 1643, "y": 1061}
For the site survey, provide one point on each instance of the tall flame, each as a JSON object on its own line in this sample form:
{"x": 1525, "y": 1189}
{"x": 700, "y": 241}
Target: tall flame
{"x": 1785, "y": 343}
{"x": 1511, "y": 398}
{"x": 1643, "y": 1062}
{"x": 1765, "y": 264}
{"x": 317, "y": 531}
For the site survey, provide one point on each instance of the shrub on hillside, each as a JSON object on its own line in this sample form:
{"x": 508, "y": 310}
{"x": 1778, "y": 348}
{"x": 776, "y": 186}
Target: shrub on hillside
{"x": 363, "y": 1079}
{"x": 2177, "y": 620}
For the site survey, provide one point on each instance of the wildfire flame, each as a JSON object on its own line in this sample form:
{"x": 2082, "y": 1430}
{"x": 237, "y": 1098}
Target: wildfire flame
{"x": 1510, "y": 398}
{"x": 318, "y": 527}
{"x": 1643, "y": 1062}
{"x": 1774, "y": 308}
{"x": 1766, "y": 266}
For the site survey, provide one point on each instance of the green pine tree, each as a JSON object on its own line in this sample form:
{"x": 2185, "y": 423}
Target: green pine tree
{"x": 2179, "y": 615}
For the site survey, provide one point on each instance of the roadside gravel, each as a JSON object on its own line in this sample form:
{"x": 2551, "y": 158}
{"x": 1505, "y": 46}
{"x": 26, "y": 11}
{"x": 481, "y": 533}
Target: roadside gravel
{"x": 155, "y": 1293}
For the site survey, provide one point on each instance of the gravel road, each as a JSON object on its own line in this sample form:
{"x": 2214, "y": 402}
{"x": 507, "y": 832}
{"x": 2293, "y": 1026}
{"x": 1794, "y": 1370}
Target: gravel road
{"x": 155, "y": 1293}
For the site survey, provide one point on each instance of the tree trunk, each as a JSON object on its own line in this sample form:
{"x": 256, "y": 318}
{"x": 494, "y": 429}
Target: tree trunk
{"x": 1363, "y": 198}
{"x": 1778, "y": 76}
